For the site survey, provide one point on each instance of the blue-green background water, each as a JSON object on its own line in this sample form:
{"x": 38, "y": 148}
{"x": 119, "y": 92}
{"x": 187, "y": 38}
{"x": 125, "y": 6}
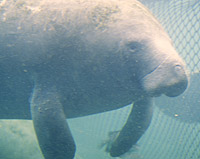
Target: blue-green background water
{"x": 173, "y": 133}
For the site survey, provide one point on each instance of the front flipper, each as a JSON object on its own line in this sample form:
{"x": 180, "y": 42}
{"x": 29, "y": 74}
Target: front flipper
{"x": 137, "y": 123}
{"x": 52, "y": 131}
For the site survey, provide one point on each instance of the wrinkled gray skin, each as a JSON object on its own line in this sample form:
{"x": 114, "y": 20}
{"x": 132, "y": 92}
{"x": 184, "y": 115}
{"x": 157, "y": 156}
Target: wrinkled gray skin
{"x": 71, "y": 58}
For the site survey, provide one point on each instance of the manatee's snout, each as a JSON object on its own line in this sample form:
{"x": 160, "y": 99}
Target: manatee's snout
{"x": 178, "y": 84}
{"x": 169, "y": 78}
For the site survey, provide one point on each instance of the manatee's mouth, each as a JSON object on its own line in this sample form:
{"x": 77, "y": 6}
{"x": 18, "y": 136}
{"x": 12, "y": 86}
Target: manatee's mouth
{"x": 154, "y": 69}
{"x": 151, "y": 92}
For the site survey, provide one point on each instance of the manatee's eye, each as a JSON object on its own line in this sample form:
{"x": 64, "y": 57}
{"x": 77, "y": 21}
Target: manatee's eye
{"x": 135, "y": 46}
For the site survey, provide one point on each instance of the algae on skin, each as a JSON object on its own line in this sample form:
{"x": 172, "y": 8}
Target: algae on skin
{"x": 102, "y": 15}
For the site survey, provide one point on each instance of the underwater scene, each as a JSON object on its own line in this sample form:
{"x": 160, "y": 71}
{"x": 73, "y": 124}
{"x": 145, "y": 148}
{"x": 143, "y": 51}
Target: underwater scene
{"x": 99, "y": 79}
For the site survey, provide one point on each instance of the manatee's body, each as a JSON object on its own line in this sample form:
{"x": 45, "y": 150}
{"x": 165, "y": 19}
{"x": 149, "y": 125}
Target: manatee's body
{"x": 74, "y": 58}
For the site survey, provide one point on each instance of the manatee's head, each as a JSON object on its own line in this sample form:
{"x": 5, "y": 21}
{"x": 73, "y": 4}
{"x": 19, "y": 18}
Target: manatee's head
{"x": 169, "y": 77}
{"x": 138, "y": 51}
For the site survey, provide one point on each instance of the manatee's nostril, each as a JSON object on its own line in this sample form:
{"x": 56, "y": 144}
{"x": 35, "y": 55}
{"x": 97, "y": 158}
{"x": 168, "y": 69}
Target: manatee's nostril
{"x": 180, "y": 71}
{"x": 178, "y": 68}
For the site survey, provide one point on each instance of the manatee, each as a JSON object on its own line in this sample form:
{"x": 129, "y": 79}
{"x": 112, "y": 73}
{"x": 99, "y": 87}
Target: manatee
{"x": 62, "y": 59}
